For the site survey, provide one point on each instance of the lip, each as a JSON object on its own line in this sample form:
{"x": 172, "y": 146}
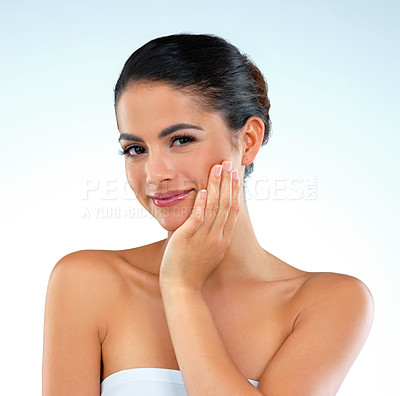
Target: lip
{"x": 168, "y": 198}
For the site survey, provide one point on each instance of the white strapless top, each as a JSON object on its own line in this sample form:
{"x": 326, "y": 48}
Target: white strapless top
{"x": 146, "y": 382}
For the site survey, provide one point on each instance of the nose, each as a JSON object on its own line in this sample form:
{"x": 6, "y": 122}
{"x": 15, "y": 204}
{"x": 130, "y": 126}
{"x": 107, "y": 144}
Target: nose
{"x": 158, "y": 169}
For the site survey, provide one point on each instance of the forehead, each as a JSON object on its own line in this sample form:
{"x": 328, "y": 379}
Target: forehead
{"x": 146, "y": 109}
{"x": 154, "y": 101}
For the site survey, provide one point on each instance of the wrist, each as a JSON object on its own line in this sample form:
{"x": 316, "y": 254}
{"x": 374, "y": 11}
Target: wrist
{"x": 177, "y": 287}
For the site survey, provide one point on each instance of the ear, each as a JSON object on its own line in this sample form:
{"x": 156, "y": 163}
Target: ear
{"x": 252, "y": 137}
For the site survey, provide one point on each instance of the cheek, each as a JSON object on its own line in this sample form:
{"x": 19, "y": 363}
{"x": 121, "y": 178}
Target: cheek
{"x": 133, "y": 176}
{"x": 201, "y": 168}
{"x": 219, "y": 152}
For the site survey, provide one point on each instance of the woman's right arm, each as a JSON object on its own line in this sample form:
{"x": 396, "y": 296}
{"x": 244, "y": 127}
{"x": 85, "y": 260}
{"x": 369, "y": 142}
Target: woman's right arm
{"x": 73, "y": 327}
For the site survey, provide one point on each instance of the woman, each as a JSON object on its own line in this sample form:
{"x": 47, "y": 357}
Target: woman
{"x": 207, "y": 311}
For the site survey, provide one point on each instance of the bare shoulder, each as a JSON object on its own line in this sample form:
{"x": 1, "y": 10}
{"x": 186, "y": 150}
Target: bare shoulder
{"x": 90, "y": 279}
{"x": 339, "y": 294}
{"x": 79, "y": 296}
{"x": 111, "y": 272}
{"x": 91, "y": 266}
{"x": 334, "y": 317}
{"x": 323, "y": 284}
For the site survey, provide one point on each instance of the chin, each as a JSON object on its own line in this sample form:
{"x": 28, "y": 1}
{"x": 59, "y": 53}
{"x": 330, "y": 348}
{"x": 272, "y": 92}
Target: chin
{"x": 170, "y": 225}
{"x": 172, "y": 218}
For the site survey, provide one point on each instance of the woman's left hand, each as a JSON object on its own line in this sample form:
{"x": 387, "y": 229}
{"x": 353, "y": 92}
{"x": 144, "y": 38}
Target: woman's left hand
{"x": 196, "y": 248}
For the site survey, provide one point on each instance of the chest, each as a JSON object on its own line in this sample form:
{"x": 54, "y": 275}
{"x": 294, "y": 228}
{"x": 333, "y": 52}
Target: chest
{"x": 253, "y": 323}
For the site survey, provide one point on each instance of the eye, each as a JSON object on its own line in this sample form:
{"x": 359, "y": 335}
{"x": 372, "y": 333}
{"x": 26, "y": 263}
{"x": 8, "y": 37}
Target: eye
{"x": 127, "y": 151}
{"x": 184, "y": 137}
{"x": 137, "y": 149}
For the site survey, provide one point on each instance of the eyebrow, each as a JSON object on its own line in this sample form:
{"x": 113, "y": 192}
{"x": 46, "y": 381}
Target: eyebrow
{"x": 165, "y": 132}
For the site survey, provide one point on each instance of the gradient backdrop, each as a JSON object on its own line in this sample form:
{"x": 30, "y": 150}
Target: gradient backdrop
{"x": 324, "y": 193}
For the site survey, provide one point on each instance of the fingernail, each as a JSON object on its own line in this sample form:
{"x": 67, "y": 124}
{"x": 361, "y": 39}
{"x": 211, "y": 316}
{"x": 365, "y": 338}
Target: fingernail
{"x": 218, "y": 170}
{"x": 228, "y": 166}
{"x": 235, "y": 175}
{"x": 203, "y": 194}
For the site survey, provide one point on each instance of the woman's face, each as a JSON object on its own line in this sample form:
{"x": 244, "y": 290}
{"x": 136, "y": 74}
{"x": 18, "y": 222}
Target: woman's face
{"x": 164, "y": 163}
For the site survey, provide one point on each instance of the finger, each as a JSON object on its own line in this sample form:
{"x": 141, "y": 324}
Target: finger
{"x": 212, "y": 195}
{"x": 225, "y": 200}
{"x": 235, "y": 206}
{"x": 196, "y": 218}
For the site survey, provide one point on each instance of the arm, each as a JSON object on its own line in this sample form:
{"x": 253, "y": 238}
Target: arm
{"x": 193, "y": 252}
{"x": 313, "y": 360}
{"x": 327, "y": 337}
{"x": 206, "y": 366}
{"x": 72, "y": 344}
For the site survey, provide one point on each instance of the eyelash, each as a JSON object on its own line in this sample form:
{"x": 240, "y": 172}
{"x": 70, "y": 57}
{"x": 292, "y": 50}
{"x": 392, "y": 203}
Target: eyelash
{"x": 125, "y": 152}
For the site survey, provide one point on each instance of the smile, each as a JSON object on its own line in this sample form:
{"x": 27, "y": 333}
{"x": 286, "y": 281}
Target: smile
{"x": 171, "y": 200}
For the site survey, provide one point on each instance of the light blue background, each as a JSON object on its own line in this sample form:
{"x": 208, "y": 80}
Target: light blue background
{"x": 332, "y": 70}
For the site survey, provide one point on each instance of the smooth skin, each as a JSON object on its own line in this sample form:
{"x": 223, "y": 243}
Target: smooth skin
{"x": 208, "y": 297}
{"x": 198, "y": 246}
